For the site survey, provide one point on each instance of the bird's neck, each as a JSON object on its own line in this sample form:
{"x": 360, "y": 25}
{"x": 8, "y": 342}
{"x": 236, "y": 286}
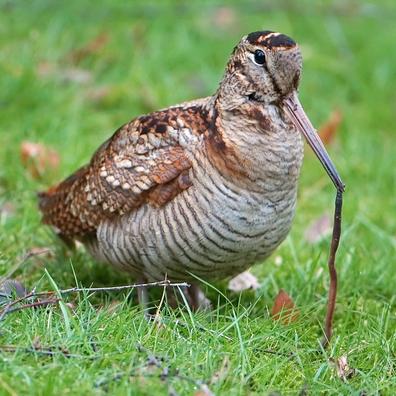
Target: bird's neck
{"x": 253, "y": 141}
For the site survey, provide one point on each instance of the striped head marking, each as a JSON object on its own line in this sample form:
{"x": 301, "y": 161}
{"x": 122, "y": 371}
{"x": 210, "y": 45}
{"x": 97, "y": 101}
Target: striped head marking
{"x": 270, "y": 40}
{"x": 265, "y": 66}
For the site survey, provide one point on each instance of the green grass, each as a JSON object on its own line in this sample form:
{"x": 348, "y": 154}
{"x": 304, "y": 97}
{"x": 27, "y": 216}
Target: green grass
{"x": 157, "y": 55}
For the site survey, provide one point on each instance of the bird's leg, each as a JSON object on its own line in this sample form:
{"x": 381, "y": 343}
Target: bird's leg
{"x": 198, "y": 299}
{"x": 191, "y": 295}
{"x": 142, "y": 294}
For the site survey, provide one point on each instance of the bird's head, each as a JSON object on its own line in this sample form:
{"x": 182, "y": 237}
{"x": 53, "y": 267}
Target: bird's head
{"x": 265, "y": 67}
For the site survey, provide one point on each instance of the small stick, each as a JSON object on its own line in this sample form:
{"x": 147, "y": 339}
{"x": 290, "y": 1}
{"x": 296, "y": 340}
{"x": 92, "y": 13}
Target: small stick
{"x": 42, "y": 303}
{"x": 328, "y": 328}
{"x": 9, "y": 307}
{"x": 164, "y": 283}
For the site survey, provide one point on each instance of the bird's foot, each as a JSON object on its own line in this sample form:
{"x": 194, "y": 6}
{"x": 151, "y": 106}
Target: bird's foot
{"x": 192, "y": 295}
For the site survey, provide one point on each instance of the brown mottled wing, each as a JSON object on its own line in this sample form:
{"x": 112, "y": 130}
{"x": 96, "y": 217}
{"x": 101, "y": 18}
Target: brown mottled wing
{"x": 142, "y": 162}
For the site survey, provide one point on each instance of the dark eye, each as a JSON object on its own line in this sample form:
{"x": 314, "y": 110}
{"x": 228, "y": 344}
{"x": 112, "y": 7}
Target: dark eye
{"x": 259, "y": 57}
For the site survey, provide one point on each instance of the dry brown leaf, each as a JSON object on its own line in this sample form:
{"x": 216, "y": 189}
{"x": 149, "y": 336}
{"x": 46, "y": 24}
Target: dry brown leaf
{"x": 284, "y": 308}
{"x": 92, "y": 47}
{"x": 329, "y": 129}
{"x": 243, "y": 281}
{"x": 318, "y": 229}
{"x": 38, "y": 159}
{"x": 343, "y": 370}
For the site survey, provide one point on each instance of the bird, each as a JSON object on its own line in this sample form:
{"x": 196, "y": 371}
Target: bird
{"x": 200, "y": 190}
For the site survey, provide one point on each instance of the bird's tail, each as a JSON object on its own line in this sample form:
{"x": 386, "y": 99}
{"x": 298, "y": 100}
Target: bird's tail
{"x": 55, "y": 204}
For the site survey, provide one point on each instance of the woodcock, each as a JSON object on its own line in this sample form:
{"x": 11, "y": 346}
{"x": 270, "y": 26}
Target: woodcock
{"x": 205, "y": 188}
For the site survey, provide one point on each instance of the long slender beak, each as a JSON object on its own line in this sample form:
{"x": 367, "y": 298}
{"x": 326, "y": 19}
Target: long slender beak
{"x": 293, "y": 108}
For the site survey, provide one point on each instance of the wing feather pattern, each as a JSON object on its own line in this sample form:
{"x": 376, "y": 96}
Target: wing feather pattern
{"x": 143, "y": 162}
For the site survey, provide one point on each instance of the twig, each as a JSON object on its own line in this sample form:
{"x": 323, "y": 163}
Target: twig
{"x": 328, "y": 329}
{"x": 42, "y": 303}
{"x": 164, "y": 283}
{"x": 8, "y": 308}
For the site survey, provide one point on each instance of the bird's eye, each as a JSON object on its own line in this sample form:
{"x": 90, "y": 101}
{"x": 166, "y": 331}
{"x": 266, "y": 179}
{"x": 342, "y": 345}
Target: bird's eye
{"x": 259, "y": 57}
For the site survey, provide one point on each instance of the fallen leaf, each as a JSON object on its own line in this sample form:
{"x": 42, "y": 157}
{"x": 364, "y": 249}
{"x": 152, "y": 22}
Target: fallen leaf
{"x": 93, "y": 46}
{"x": 243, "y": 281}
{"x": 328, "y": 130}
{"x": 318, "y": 229}
{"x": 38, "y": 159}
{"x": 284, "y": 308}
{"x": 342, "y": 367}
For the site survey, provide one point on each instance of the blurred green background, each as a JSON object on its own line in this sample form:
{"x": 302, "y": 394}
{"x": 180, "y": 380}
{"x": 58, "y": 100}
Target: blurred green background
{"x": 72, "y": 72}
